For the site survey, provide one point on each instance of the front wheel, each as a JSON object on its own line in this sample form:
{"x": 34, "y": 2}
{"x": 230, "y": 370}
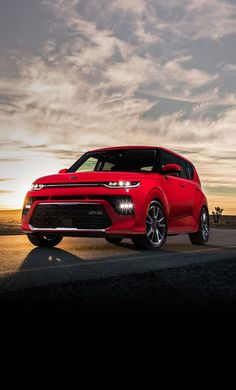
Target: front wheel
{"x": 156, "y": 228}
{"x": 45, "y": 240}
{"x": 201, "y": 237}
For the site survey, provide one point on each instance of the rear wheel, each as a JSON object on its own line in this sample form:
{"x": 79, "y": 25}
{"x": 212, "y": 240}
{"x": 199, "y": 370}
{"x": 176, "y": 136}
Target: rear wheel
{"x": 113, "y": 240}
{"x": 156, "y": 228}
{"x": 201, "y": 237}
{"x": 45, "y": 240}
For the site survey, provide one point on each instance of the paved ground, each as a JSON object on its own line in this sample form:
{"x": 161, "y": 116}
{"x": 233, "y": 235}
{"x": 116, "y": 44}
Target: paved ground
{"x": 91, "y": 273}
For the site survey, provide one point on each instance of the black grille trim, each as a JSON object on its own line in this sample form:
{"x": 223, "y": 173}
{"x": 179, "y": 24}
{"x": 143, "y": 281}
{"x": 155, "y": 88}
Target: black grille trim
{"x": 58, "y": 185}
{"x": 74, "y": 215}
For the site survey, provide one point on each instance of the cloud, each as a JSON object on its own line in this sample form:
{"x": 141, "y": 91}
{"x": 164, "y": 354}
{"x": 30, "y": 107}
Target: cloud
{"x": 230, "y": 68}
{"x": 196, "y": 19}
{"x": 10, "y": 159}
{"x": 93, "y": 77}
{"x": 40, "y": 146}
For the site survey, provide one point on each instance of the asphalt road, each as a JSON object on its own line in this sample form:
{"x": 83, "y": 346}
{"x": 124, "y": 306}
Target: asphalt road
{"x": 93, "y": 266}
{"x": 23, "y": 265}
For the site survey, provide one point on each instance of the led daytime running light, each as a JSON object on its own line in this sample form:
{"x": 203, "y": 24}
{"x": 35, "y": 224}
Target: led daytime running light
{"x": 122, "y": 184}
{"x": 36, "y": 187}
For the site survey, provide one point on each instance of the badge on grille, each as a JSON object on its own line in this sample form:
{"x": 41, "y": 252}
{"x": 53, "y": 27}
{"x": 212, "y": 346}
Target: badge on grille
{"x": 95, "y": 212}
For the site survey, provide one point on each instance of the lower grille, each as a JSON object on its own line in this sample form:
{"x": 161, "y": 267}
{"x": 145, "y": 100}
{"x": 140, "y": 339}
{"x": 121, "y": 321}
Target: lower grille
{"x": 73, "y": 215}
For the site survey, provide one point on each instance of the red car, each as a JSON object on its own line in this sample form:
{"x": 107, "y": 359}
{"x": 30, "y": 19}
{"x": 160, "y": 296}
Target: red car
{"x": 144, "y": 193}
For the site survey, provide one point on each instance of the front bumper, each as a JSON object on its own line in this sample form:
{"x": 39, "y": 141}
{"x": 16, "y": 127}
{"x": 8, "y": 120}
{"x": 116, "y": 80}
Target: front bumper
{"x": 102, "y": 217}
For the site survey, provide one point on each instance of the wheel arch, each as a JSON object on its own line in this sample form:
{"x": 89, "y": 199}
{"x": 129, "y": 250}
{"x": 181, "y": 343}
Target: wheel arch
{"x": 158, "y": 195}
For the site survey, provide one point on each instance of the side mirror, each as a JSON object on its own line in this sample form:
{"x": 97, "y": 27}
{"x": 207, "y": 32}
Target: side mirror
{"x": 171, "y": 168}
{"x": 65, "y": 170}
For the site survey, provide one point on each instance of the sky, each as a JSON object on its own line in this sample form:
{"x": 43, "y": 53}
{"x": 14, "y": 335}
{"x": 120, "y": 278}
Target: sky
{"x": 81, "y": 74}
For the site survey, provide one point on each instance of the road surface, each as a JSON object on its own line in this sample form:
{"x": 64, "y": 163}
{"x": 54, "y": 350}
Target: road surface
{"x": 76, "y": 259}
{"x": 91, "y": 273}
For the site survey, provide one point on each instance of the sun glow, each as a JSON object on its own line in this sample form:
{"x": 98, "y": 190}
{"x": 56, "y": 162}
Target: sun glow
{"x": 13, "y": 189}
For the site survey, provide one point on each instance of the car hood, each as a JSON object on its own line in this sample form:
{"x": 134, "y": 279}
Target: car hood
{"x": 78, "y": 177}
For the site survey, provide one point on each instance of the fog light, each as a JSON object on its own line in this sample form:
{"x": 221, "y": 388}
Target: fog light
{"x": 123, "y": 205}
{"x": 126, "y": 206}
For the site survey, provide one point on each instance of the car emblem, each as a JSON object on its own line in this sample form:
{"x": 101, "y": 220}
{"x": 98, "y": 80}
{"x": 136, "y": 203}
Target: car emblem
{"x": 73, "y": 177}
{"x": 95, "y": 212}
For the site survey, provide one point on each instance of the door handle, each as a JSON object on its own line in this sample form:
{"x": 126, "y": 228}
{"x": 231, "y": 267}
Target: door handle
{"x": 182, "y": 185}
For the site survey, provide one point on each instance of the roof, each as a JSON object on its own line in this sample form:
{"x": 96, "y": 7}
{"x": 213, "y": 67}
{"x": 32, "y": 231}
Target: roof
{"x": 140, "y": 147}
{"x": 124, "y": 147}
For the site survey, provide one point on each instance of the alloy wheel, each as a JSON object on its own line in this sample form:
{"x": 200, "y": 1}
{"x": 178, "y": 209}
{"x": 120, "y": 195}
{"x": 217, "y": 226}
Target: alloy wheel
{"x": 205, "y": 225}
{"x": 156, "y": 225}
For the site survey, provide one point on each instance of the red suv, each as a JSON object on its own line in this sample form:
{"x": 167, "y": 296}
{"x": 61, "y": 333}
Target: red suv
{"x": 143, "y": 193}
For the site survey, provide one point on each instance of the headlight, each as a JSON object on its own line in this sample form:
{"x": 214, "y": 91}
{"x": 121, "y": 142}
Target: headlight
{"x": 122, "y": 184}
{"x": 36, "y": 187}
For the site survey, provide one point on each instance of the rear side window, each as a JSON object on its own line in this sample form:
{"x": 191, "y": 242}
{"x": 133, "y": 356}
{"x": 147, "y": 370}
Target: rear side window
{"x": 190, "y": 170}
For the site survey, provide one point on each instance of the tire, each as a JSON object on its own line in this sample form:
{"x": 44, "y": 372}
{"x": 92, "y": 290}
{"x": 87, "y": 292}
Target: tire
{"x": 201, "y": 237}
{"x": 45, "y": 240}
{"x": 113, "y": 240}
{"x": 156, "y": 228}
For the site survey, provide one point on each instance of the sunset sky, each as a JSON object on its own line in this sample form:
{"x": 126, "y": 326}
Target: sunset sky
{"x": 81, "y": 74}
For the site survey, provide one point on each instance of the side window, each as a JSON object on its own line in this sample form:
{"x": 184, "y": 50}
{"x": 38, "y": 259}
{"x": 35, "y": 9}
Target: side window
{"x": 187, "y": 169}
{"x": 107, "y": 167}
{"x": 166, "y": 158}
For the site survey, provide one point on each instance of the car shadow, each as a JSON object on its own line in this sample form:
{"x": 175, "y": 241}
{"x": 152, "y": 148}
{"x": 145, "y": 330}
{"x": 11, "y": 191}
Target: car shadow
{"x": 54, "y": 257}
{"x": 49, "y": 257}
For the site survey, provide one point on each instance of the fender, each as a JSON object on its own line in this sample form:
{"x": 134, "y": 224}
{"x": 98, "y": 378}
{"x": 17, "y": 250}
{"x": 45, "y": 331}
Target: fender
{"x": 158, "y": 194}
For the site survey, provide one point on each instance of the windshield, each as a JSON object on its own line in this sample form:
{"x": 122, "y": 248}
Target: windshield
{"x": 128, "y": 160}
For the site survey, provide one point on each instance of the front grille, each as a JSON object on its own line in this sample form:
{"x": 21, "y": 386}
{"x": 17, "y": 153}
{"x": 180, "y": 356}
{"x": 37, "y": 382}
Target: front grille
{"x": 77, "y": 216}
